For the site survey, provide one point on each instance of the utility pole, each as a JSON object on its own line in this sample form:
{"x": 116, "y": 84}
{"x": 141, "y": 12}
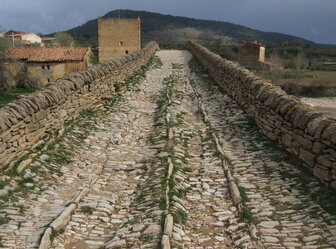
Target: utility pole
{"x": 74, "y": 31}
{"x": 13, "y": 39}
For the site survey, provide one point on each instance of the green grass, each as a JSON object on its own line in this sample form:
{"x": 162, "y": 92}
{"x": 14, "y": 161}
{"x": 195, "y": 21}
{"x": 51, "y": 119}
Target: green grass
{"x": 162, "y": 204}
{"x": 55, "y": 233}
{"x": 243, "y": 194}
{"x": 87, "y": 210}
{"x": 326, "y": 197}
{"x": 8, "y": 95}
{"x": 246, "y": 215}
{"x": 177, "y": 66}
{"x": 147, "y": 238}
{"x": 13, "y": 171}
{"x": 155, "y": 62}
{"x": 179, "y": 216}
{"x": 4, "y": 221}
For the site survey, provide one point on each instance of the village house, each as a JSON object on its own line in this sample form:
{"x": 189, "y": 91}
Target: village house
{"x": 251, "y": 55}
{"x": 25, "y": 38}
{"x": 44, "y": 64}
{"x": 118, "y": 37}
{"x": 49, "y": 41}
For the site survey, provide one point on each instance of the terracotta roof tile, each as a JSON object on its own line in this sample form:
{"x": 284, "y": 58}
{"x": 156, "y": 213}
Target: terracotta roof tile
{"x": 48, "y": 38}
{"x": 42, "y": 54}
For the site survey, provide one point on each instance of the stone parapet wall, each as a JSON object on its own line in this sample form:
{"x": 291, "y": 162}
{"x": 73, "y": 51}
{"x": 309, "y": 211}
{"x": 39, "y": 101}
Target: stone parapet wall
{"x": 28, "y": 121}
{"x": 308, "y": 134}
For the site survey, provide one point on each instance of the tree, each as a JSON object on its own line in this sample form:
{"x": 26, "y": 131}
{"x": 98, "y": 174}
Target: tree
{"x": 64, "y": 39}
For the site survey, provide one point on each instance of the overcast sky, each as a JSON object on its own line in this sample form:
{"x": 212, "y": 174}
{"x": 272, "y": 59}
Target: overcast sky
{"x": 311, "y": 19}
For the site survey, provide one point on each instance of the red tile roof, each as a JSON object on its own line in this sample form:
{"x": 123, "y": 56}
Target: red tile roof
{"x": 17, "y": 34}
{"x": 43, "y": 54}
{"x": 48, "y": 38}
{"x": 254, "y": 43}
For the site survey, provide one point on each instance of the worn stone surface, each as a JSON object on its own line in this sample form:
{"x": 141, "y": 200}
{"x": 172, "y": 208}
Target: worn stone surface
{"x": 46, "y": 111}
{"x": 121, "y": 165}
{"x": 279, "y": 197}
{"x": 282, "y": 118}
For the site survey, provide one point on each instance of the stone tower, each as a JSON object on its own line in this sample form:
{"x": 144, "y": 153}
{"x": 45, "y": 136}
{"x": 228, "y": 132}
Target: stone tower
{"x": 251, "y": 55}
{"x": 118, "y": 37}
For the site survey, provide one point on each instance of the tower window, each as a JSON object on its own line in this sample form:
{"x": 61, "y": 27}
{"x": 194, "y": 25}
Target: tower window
{"x": 121, "y": 43}
{"x": 126, "y": 52}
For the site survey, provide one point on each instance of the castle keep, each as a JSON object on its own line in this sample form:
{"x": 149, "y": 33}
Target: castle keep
{"x": 117, "y": 37}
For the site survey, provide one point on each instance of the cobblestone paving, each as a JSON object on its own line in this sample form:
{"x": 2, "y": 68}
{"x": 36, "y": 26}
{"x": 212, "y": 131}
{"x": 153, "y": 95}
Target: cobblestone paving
{"x": 283, "y": 199}
{"x": 124, "y": 168}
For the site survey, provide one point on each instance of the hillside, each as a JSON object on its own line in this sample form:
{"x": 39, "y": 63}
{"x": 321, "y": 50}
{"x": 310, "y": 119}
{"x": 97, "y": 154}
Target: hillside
{"x": 167, "y": 29}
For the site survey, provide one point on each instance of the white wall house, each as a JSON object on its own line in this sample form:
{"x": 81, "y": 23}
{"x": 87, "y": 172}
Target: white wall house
{"x": 31, "y": 37}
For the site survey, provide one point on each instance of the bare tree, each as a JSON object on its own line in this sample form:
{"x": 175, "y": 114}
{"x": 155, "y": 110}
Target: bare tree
{"x": 273, "y": 69}
{"x": 300, "y": 63}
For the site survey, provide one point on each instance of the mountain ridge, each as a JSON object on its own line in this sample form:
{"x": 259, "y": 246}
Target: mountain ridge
{"x": 156, "y": 22}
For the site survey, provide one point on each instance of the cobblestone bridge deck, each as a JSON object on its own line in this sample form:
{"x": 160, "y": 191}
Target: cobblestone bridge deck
{"x": 170, "y": 163}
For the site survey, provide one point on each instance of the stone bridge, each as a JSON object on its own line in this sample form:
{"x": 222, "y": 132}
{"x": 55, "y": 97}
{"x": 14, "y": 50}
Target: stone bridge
{"x": 166, "y": 149}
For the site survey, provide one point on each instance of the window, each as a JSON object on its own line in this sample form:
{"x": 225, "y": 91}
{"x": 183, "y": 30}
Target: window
{"x": 121, "y": 43}
{"x": 48, "y": 67}
{"x": 42, "y": 67}
{"x": 48, "y": 80}
{"x": 126, "y": 52}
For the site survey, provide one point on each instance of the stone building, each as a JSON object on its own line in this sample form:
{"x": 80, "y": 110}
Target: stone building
{"x": 118, "y": 37}
{"x": 25, "y": 38}
{"x": 43, "y": 64}
{"x": 251, "y": 55}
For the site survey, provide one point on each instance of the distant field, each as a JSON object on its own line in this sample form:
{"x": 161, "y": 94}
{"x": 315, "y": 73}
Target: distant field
{"x": 318, "y": 78}
{"x": 310, "y": 78}
{"x": 10, "y": 94}
{"x": 314, "y": 84}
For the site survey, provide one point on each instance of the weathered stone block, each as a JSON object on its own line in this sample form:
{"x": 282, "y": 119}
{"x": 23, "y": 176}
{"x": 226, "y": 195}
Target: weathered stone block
{"x": 318, "y": 147}
{"x": 323, "y": 160}
{"x": 317, "y": 125}
{"x": 39, "y": 116}
{"x": 304, "y": 142}
{"x": 307, "y": 157}
{"x": 32, "y": 127}
{"x": 286, "y": 140}
{"x": 322, "y": 173}
{"x": 329, "y": 133}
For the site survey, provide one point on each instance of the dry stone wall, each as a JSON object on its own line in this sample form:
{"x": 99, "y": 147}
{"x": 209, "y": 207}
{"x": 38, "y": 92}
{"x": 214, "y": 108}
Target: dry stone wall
{"x": 26, "y": 122}
{"x": 308, "y": 134}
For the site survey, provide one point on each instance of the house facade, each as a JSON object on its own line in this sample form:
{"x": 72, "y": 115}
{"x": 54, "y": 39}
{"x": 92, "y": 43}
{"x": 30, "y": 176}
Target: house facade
{"x": 44, "y": 64}
{"x": 118, "y": 37}
{"x": 26, "y": 38}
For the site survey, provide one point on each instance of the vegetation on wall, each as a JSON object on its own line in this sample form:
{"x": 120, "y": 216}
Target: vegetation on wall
{"x": 4, "y": 43}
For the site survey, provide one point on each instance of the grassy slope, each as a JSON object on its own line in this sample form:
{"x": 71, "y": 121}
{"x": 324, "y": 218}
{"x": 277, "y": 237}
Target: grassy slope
{"x": 11, "y": 94}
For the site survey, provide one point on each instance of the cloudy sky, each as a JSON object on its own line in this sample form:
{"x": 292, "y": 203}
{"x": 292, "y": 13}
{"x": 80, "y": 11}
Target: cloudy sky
{"x": 311, "y": 19}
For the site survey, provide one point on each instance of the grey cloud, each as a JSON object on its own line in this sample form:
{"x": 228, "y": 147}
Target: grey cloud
{"x": 310, "y": 19}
